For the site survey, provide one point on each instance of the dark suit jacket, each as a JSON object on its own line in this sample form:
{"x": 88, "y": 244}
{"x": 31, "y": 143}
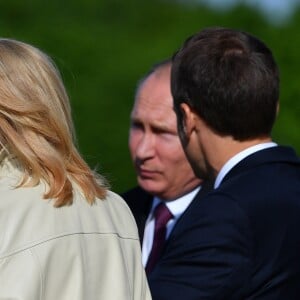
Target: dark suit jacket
{"x": 240, "y": 241}
{"x": 140, "y": 202}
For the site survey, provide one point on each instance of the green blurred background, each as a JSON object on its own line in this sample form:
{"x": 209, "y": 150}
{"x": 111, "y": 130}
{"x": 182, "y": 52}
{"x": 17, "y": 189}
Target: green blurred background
{"x": 103, "y": 47}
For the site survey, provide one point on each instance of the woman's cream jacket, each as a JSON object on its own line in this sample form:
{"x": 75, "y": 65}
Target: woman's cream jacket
{"x": 75, "y": 252}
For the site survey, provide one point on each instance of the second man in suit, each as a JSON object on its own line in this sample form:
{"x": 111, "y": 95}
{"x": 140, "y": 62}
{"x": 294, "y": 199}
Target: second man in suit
{"x": 163, "y": 172}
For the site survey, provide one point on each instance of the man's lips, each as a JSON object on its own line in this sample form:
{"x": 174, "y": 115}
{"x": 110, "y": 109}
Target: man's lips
{"x": 146, "y": 173}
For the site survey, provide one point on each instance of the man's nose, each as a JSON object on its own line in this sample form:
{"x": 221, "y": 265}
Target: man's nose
{"x": 146, "y": 147}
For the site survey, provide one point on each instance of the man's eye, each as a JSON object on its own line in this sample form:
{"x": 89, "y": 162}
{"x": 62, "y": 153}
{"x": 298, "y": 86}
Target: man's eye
{"x": 135, "y": 125}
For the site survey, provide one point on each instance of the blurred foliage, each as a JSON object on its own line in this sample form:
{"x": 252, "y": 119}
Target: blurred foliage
{"x": 103, "y": 47}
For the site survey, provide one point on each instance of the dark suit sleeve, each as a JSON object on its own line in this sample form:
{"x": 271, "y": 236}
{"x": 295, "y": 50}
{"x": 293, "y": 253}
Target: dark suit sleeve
{"x": 210, "y": 256}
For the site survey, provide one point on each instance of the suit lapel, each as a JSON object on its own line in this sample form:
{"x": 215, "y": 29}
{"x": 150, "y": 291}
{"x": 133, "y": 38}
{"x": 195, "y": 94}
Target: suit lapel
{"x": 180, "y": 224}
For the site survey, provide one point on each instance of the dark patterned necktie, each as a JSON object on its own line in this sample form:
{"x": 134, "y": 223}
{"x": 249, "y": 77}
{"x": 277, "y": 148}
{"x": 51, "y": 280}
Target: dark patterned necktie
{"x": 162, "y": 215}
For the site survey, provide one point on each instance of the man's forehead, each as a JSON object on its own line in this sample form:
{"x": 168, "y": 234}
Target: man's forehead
{"x": 151, "y": 107}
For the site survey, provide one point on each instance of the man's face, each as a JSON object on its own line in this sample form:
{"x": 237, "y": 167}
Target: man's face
{"x": 161, "y": 166}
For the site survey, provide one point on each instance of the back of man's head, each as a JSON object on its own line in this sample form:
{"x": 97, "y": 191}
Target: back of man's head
{"x": 230, "y": 79}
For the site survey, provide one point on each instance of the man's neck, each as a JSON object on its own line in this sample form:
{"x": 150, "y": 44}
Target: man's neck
{"x": 226, "y": 147}
{"x": 240, "y": 156}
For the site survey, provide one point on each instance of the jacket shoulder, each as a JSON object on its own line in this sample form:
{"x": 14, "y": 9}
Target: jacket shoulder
{"x": 137, "y": 198}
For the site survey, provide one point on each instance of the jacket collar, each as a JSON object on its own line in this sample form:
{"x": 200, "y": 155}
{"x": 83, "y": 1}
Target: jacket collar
{"x": 279, "y": 154}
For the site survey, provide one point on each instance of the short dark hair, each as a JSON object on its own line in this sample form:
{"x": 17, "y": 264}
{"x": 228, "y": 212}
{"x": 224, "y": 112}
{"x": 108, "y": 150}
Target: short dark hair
{"x": 230, "y": 79}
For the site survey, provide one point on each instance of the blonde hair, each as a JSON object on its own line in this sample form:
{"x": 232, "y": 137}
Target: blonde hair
{"x": 36, "y": 125}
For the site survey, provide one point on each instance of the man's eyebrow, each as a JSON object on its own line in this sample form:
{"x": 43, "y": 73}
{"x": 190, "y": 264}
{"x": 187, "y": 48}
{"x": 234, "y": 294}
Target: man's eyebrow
{"x": 135, "y": 119}
{"x": 163, "y": 127}
{"x": 156, "y": 125}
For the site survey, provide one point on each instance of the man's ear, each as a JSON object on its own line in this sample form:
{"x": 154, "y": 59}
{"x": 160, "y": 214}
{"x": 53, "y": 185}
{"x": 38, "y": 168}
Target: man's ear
{"x": 188, "y": 119}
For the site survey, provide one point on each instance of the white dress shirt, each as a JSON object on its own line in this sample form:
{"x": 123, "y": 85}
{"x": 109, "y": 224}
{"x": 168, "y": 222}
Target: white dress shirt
{"x": 237, "y": 158}
{"x": 176, "y": 207}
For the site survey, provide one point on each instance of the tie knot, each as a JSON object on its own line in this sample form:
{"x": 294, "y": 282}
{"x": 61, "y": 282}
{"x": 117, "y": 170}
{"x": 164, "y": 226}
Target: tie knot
{"x": 162, "y": 214}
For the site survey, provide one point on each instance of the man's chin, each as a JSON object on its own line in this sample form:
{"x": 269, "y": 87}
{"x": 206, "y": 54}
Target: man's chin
{"x": 149, "y": 186}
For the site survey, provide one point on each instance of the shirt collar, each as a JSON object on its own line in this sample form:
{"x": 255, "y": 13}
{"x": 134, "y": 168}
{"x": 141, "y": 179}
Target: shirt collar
{"x": 178, "y": 205}
{"x": 237, "y": 158}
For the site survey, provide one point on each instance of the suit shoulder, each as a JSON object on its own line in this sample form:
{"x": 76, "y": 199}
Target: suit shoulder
{"x": 137, "y": 199}
{"x": 134, "y": 194}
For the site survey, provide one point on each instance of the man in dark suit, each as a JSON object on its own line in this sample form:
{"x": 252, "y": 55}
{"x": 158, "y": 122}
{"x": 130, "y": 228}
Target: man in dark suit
{"x": 241, "y": 241}
{"x": 163, "y": 172}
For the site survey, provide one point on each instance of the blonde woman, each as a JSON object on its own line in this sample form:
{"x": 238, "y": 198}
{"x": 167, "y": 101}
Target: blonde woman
{"x": 63, "y": 234}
